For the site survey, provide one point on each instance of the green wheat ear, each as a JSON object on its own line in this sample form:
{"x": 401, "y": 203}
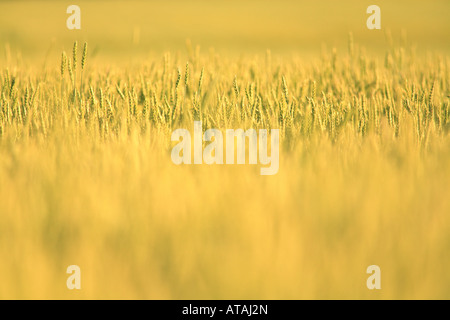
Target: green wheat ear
{"x": 70, "y": 69}
{"x": 83, "y": 63}
{"x": 285, "y": 89}
{"x": 63, "y": 69}
{"x": 63, "y": 63}
{"x": 74, "y": 69}
{"x": 83, "y": 58}
{"x": 200, "y": 81}
{"x": 74, "y": 56}
{"x": 235, "y": 87}
{"x": 186, "y": 75}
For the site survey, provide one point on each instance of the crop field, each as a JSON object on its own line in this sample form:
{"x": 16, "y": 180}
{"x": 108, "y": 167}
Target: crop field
{"x": 87, "y": 175}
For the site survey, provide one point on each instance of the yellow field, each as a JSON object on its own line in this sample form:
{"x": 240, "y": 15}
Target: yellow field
{"x": 86, "y": 176}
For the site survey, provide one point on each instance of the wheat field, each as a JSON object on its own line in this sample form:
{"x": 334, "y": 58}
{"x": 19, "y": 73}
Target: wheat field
{"x": 86, "y": 176}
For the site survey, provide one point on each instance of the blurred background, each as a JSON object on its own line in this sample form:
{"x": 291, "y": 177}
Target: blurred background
{"x": 37, "y": 29}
